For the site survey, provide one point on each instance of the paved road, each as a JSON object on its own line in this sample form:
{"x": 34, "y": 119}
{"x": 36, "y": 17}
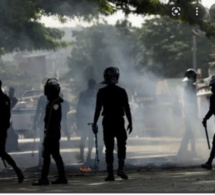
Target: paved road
{"x": 149, "y": 161}
{"x": 153, "y": 181}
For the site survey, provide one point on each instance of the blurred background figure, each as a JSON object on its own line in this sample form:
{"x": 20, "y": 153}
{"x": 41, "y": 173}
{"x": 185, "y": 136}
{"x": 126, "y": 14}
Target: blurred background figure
{"x": 39, "y": 124}
{"x": 13, "y": 99}
{"x": 12, "y": 138}
{"x": 190, "y": 114}
{"x": 84, "y": 115}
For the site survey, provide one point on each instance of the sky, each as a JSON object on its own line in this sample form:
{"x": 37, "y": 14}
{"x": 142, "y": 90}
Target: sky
{"x": 134, "y": 19}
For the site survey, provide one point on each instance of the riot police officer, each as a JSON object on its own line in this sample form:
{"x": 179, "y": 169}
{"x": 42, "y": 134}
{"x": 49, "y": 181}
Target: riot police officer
{"x": 4, "y": 125}
{"x": 208, "y": 164}
{"x": 114, "y": 101}
{"x": 51, "y": 145}
{"x": 190, "y": 112}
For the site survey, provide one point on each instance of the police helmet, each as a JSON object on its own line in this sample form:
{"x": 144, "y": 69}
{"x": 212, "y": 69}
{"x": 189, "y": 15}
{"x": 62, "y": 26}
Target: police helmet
{"x": 190, "y": 74}
{"x": 212, "y": 81}
{"x": 111, "y": 75}
{"x": 52, "y": 87}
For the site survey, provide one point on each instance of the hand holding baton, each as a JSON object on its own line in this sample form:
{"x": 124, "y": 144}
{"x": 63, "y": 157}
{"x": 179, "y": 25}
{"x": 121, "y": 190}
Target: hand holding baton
{"x": 94, "y": 127}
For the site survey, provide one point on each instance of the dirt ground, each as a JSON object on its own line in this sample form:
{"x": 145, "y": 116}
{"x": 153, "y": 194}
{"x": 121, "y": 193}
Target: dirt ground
{"x": 175, "y": 180}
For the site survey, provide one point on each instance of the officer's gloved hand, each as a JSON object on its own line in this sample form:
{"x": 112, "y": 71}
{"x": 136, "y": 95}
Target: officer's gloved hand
{"x": 129, "y": 128}
{"x": 95, "y": 128}
{"x": 204, "y": 123}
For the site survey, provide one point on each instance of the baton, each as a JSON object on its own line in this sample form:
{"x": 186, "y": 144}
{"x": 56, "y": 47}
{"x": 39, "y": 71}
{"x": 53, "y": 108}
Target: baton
{"x": 206, "y": 132}
{"x": 97, "y": 152}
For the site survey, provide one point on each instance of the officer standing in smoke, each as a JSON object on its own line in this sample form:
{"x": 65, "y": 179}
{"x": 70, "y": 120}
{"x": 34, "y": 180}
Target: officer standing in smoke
{"x": 114, "y": 101}
{"x": 5, "y": 124}
{"x": 190, "y": 112}
{"x": 84, "y": 114}
{"x": 52, "y": 134}
{"x": 39, "y": 123}
{"x": 208, "y": 164}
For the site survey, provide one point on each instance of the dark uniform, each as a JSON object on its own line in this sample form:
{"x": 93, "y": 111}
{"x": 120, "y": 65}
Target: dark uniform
{"x": 114, "y": 101}
{"x": 191, "y": 115}
{"x": 39, "y": 123}
{"x": 84, "y": 114}
{"x": 51, "y": 145}
{"x": 4, "y": 125}
{"x": 208, "y": 164}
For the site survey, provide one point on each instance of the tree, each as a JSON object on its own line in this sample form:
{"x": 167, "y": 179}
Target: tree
{"x": 168, "y": 47}
{"x": 21, "y": 29}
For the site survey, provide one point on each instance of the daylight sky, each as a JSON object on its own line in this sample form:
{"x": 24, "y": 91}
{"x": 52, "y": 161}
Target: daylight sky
{"x": 136, "y": 20}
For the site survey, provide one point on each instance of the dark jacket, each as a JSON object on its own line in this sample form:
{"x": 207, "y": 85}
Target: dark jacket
{"x": 4, "y": 112}
{"x": 114, "y": 101}
{"x": 53, "y": 118}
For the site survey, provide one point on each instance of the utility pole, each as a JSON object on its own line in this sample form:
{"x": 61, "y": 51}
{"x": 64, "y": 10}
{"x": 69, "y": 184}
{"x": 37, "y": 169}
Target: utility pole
{"x": 194, "y": 52}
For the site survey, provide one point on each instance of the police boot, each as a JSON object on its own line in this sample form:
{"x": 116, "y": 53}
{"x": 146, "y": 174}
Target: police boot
{"x": 110, "y": 176}
{"x": 207, "y": 165}
{"x": 43, "y": 181}
{"x": 120, "y": 171}
{"x": 60, "y": 180}
{"x": 20, "y": 175}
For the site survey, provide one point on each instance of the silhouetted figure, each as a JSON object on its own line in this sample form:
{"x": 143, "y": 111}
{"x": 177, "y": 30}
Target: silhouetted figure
{"x": 190, "y": 112}
{"x": 12, "y": 138}
{"x": 114, "y": 101}
{"x": 13, "y": 99}
{"x": 52, "y": 134}
{"x": 39, "y": 124}
{"x": 84, "y": 115}
{"x": 4, "y": 125}
{"x": 208, "y": 164}
{"x": 64, "y": 122}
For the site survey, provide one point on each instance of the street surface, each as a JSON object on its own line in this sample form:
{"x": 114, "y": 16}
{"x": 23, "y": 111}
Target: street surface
{"x": 152, "y": 166}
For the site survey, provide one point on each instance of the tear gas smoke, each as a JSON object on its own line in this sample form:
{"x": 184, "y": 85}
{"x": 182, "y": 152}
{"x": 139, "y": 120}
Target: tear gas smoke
{"x": 157, "y": 111}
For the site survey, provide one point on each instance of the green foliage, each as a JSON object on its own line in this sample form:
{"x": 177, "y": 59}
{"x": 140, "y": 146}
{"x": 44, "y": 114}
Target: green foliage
{"x": 21, "y": 30}
{"x": 169, "y": 43}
